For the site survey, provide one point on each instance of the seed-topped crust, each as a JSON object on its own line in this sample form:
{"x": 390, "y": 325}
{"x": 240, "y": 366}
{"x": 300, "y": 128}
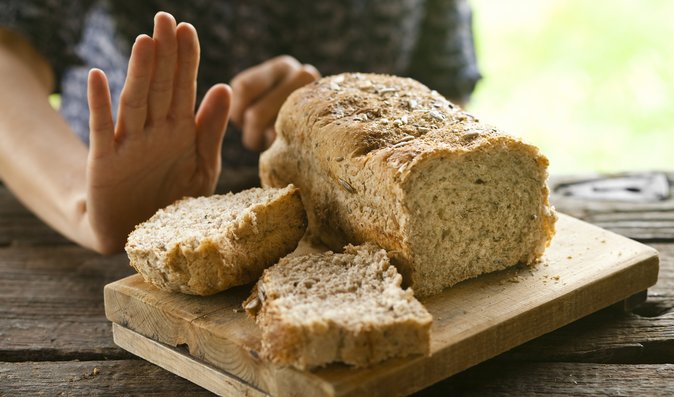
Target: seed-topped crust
{"x": 385, "y": 159}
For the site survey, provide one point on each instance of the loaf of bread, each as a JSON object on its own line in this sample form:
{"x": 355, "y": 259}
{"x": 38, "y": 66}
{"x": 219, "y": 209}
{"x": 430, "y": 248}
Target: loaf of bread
{"x": 205, "y": 245}
{"x": 385, "y": 159}
{"x": 322, "y": 308}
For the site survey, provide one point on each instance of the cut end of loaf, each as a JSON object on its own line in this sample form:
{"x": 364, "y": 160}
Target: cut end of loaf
{"x": 476, "y": 212}
{"x": 323, "y": 308}
{"x": 205, "y": 245}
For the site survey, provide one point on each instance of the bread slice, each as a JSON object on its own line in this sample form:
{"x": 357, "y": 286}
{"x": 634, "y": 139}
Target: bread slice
{"x": 321, "y": 308}
{"x": 205, "y": 245}
{"x": 385, "y": 159}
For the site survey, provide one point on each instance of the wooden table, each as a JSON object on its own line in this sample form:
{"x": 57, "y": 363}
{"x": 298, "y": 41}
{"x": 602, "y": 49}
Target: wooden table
{"x": 55, "y": 339}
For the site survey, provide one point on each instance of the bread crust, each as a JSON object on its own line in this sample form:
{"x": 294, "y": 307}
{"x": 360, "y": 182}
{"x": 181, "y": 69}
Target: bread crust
{"x": 357, "y": 145}
{"x": 231, "y": 255}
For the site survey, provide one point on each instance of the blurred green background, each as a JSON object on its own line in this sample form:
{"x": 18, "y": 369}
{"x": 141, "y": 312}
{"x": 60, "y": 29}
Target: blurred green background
{"x": 590, "y": 82}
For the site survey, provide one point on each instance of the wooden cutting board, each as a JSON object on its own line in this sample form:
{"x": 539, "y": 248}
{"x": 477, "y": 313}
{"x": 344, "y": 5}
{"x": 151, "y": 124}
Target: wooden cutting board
{"x": 210, "y": 342}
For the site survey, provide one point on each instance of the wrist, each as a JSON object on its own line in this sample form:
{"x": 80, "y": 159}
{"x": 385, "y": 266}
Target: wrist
{"x": 96, "y": 235}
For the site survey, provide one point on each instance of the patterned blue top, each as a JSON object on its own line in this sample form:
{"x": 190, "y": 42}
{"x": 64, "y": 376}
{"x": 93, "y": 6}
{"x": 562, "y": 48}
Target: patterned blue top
{"x": 429, "y": 40}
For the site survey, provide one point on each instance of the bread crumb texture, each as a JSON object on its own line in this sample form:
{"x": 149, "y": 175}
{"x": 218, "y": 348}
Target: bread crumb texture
{"x": 385, "y": 159}
{"x": 205, "y": 245}
{"x": 322, "y": 308}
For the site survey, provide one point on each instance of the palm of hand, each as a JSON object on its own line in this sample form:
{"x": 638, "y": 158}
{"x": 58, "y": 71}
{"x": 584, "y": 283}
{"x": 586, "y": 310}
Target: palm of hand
{"x": 156, "y": 166}
{"x": 159, "y": 150}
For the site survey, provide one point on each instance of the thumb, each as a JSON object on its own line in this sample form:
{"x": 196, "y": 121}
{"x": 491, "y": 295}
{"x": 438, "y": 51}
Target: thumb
{"x": 211, "y": 121}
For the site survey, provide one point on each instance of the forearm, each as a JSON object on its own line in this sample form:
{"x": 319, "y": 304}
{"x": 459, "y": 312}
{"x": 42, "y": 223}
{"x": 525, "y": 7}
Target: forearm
{"x": 41, "y": 161}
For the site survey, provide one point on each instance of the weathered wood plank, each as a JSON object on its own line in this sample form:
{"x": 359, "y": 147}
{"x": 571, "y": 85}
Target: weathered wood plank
{"x": 642, "y": 197}
{"x": 51, "y": 309}
{"x": 49, "y": 297}
{"x": 138, "y": 377}
{"x": 495, "y": 378}
{"x": 51, "y": 303}
{"x": 485, "y": 379}
{"x": 606, "y": 337}
{"x": 180, "y": 363}
{"x": 20, "y": 227}
{"x": 584, "y": 270}
{"x": 88, "y": 378}
{"x": 644, "y": 336}
{"x": 664, "y": 289}
{"x": 26, "y": 230}
{"x": 77, "y": 271}
{"x": 649, "y": 220}
{"x": 76, "y": 306}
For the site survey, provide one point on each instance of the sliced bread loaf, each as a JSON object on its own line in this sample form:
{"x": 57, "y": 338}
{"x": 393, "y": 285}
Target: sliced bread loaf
{"x": 205, "y": 245}
{"x": 385, "y": 159}
{"x": 322, "y": 308}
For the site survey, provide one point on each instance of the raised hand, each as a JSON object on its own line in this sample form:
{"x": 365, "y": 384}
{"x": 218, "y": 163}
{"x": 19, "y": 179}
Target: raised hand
{"x": 158, "y": 150}
{"x": 259, "y": 92}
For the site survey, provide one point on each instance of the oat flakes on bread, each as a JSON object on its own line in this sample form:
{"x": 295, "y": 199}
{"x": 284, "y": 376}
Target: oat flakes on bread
{"x": 385, "y": 159}
{"x": 205, "y": 245}
{"x": 322, "y": 308}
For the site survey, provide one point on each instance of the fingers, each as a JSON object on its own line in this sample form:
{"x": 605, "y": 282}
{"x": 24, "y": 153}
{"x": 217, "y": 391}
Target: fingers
{"x": 211, "y": 121}
{"x": 260, "y": 115}
{"x": 133, "y": 99}
{"x": 161, "y": 87}
{"x": 162, "y": 75}
{"x": 185, "y": 87}
{"x": 101, "y": 126}
{"x": 252, "y": 83}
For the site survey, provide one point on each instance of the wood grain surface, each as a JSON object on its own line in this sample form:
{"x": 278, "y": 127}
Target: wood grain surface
{"x": 45, "y": 349}
{"x": 584, "y": 270}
